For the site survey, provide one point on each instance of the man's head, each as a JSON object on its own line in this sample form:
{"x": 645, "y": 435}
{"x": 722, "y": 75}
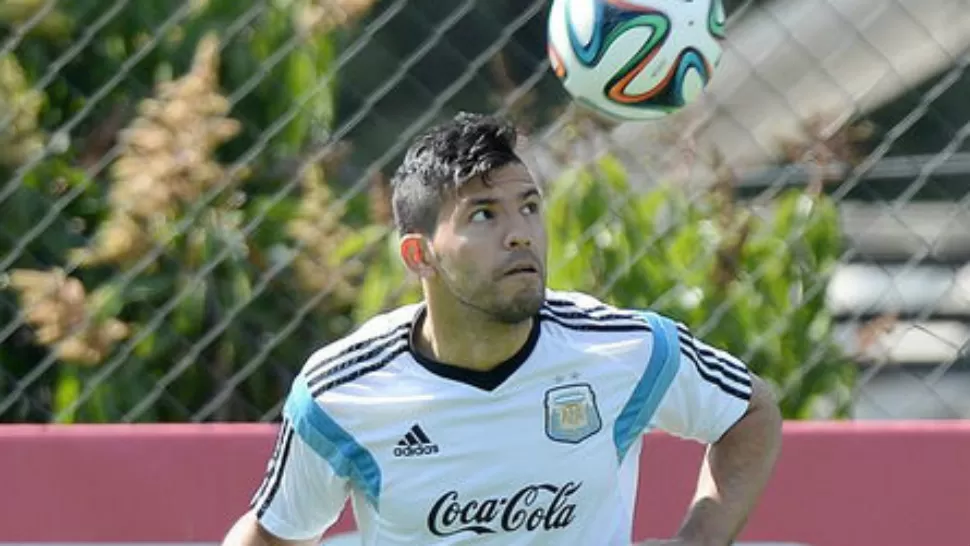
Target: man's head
{"x": 470, "y": 219}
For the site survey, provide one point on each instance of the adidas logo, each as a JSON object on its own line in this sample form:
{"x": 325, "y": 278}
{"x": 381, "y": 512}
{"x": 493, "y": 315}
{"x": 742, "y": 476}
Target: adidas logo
{"x": 415, "y": 444}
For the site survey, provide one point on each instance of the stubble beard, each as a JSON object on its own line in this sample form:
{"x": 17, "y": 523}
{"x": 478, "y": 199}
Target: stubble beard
{"x": 520, "y": 308}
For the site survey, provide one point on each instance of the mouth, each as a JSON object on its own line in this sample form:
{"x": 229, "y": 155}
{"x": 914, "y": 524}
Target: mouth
{"x": 522, "y": 269}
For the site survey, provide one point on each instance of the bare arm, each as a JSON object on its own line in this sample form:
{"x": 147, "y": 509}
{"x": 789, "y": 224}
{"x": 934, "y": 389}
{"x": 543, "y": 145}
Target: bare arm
{"x": 248, "y": 532}
{"x": 736, "y": 470}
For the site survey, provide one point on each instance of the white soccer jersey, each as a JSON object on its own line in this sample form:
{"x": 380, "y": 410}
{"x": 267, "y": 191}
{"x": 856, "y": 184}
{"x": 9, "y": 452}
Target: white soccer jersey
{"x": 543, "y": 449}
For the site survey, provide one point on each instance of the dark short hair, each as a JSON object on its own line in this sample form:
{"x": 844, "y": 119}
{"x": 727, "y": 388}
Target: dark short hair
{"x": 443, "y": 158}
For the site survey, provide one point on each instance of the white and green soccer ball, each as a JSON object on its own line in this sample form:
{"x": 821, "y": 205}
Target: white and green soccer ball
{"x": 635, "y": 60}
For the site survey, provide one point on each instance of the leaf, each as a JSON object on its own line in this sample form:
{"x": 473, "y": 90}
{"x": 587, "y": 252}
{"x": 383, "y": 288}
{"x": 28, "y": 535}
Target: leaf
{"x": 359, "y": 241}
{"x": 66, "y": 391}
{"x": 380, "y": 280}
{"x": 612, "y": 174}
{"x": 242, "y": 286}
{"x": 107, "y": 300}
{"x": 148, "y": 288}
{"x": 274, "y": 218}
{"x": 682, "y": 251}
{"x": 146, "y": 346}
{"x": 299, "y": 77}
{"x": 189, "y": 316}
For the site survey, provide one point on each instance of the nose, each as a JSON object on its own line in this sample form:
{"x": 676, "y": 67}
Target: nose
{"x": 519, "y": 235}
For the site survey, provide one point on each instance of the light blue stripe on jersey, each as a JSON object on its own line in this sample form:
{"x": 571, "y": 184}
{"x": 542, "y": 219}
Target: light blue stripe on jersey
{"x": 348, "y": 458}
{"x": 650, "y": 390}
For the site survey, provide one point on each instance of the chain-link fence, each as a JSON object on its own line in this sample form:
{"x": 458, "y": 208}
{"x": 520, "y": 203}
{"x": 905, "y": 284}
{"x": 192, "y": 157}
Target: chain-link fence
{"x": 194, "y": 194}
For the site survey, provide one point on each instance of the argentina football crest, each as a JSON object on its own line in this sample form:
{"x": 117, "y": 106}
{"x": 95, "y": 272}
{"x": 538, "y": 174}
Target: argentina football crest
{"x": 571, "y": 413}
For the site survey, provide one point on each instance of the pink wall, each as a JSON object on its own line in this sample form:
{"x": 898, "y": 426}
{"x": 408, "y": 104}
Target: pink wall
{"x": 852, "y": 484}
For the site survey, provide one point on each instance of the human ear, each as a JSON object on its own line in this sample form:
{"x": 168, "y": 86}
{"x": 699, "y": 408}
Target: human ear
{"x": 416, "y": 255}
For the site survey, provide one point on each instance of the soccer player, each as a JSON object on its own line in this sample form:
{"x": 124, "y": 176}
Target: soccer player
{"x": 497, "y": 411}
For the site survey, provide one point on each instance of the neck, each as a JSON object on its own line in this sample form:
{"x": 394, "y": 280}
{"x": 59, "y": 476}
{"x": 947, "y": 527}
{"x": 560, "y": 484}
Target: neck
{"x": 466, "y": 338}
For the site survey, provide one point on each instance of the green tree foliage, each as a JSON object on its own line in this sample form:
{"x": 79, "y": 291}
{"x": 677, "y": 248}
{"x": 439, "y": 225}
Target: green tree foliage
{"x": 170, "y": 241}
{"x": 753, "y": 286}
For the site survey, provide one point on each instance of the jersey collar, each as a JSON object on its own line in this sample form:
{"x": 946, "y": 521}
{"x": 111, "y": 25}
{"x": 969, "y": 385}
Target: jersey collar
{"x": 484, "y": 380}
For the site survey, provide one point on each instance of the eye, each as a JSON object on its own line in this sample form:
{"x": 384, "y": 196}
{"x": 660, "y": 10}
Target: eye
{"x": 481, "y": 215}
{"x": 530, "y": 208}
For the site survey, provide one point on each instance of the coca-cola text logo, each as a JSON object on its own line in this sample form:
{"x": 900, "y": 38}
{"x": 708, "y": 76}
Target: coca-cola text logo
{"x": 534, "y": 507}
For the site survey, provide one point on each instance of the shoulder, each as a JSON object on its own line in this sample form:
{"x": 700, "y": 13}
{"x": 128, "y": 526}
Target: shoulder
{"x": 577, "y": 311}
{"x": 371, "y": 346}
{"x": 574, "y": 298}
{"x": 640, "y": 336}
{"x": 317, "y": 405}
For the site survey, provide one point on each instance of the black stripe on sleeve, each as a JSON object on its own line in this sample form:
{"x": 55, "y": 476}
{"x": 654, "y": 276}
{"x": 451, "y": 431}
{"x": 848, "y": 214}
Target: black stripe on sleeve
{"x": 359, "y": 371}
{"x": 714, "y": 363}
{"x": 271, "y": 464}
{"x": 275, "y": 475}
{"x": 352, "y": 360}
{"x": 587, "y": 324}
{"x": 566, "y": 308}
{"x": 741, "y": 390}
{"x": 592, "y": 319}
{"x": 684, "y": 331}
{"x": 353, "y": 351}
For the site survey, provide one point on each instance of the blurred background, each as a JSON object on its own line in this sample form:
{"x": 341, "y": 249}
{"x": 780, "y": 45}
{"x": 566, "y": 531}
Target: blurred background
{"x": 193, "y": 194}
